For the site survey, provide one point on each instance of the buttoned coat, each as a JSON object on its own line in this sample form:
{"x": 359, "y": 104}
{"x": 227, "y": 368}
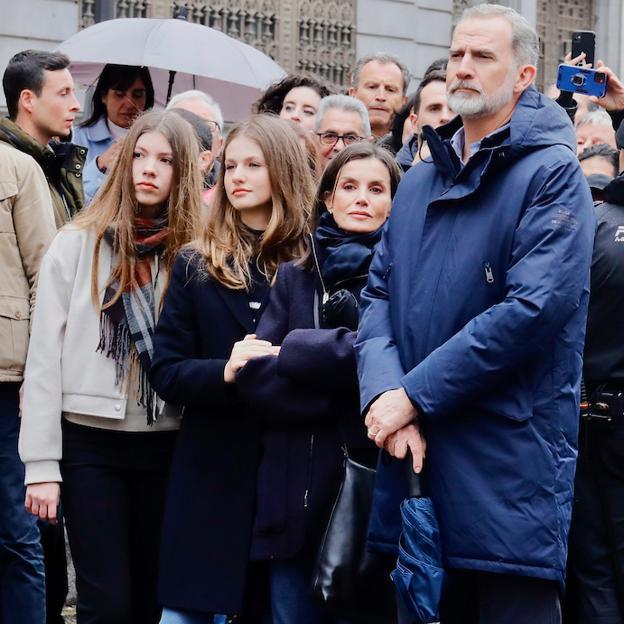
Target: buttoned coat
{"x": 210, "y": 499}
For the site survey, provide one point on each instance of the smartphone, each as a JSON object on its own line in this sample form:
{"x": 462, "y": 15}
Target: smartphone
{"x": 584, "y": 41}
{"x": 579, "y": 80}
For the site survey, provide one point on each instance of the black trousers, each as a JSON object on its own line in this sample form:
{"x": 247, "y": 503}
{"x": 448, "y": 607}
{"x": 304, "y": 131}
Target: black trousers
{"x": 113, "y": 493}
{"x": 472, "y": 597}
{"x": 595, "y": 589}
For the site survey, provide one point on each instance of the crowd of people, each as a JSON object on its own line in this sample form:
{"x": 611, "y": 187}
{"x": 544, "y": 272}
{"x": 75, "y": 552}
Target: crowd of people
{"x": 199, "y": 322}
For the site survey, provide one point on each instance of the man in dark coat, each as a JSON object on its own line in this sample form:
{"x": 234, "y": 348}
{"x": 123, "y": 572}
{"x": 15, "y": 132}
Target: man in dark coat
{"x": 472, "y": 327}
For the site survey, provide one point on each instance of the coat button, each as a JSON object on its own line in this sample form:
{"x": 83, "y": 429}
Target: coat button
{"x": 18, "y": 314}
{"x": 78, "y": 175}
{"x": 78, "y": 167}
{"x": 82, "y": 152}
{"x": 118, "y": 408}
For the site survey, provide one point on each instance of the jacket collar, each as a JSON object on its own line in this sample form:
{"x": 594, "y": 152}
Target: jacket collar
{"x": 12, "y": 134}
{"x": 614, "y": 191}
{"x": 99, "y": 131}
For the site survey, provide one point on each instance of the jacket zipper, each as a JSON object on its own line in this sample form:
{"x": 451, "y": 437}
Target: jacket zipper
{"x": 307, "y": 492}
{"x": 489, "y": 274}
{"x": 318, "y": 269}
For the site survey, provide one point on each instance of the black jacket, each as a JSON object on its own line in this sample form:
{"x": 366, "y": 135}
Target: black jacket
{"x": 210, "y": 500}
{"x": 308, "y": 398}
{"x": 604, "y": 343}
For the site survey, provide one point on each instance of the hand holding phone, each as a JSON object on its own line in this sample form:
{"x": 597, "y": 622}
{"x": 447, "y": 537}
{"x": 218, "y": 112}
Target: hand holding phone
{"x": 580, "y": 80}
{"x": 584, "y": 41}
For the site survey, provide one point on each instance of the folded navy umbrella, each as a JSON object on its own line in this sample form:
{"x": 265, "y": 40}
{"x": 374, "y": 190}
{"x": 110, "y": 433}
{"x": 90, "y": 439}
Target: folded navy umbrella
{"x": 419, "y": 575}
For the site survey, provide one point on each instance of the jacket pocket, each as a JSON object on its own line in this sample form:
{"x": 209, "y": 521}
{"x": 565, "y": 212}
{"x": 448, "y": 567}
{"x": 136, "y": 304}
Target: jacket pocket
{"x": 14, "y": 332}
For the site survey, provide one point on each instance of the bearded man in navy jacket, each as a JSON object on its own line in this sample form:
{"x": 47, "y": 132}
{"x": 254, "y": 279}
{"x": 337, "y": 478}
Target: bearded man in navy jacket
{"x": 473, "y": 323}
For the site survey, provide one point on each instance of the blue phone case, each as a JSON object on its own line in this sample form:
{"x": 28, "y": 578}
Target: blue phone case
{"x": 579, "y": 80}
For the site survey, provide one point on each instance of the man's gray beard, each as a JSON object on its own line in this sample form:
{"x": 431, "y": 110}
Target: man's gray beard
{"x": 481, "y": 105}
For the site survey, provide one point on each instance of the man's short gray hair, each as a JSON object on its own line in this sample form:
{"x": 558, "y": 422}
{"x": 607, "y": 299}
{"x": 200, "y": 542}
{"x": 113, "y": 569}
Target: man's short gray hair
{"x": 524, "y": 39}
{"x": 344, "y": 103}
{"x": 595, "y": 118}
{"x": 202, "y": 97}
{"x": 383, "y": 59}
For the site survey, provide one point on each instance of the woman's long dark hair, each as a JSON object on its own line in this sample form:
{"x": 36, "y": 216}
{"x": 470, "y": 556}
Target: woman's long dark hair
{"x": 119, "y": 77}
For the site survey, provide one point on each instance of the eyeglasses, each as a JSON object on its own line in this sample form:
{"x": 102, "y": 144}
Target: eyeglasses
{"x": 331, "y": 138}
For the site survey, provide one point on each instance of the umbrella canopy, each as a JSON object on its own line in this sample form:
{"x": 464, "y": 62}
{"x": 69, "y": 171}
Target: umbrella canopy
{"x": 232, "y": 72}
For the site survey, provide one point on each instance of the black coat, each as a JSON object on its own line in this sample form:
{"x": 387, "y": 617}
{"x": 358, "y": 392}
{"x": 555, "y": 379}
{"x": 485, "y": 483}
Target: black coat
{"x": 210, "y": 500}
{"x": 604, "y": 343}
{"x": 308, "y": 399}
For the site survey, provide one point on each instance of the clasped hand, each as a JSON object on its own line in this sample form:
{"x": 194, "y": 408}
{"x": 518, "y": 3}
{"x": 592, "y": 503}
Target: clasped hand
{"x": 392, "y": 423}
{"x": 244, "y": 350}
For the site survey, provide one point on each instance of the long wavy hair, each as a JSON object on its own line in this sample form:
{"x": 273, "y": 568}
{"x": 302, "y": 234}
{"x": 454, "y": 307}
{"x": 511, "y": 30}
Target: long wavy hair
{"x": 116, "y": 205}
{"x": 226, "y": 245}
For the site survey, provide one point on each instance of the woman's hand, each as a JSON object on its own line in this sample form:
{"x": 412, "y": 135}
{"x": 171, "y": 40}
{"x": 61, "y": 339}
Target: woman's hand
{"x": 42, "y": 500}
{"x": 390, "y": 412}
{"x": 408, "y": 438}
{"x": 106, "y": 159}
{"x": 244, "y": 350}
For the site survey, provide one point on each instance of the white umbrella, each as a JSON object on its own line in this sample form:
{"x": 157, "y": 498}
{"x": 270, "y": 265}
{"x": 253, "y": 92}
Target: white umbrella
{"x": 192, "y": 55}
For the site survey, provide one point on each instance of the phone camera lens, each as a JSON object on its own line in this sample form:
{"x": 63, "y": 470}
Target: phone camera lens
{"x": 578, "y": 80}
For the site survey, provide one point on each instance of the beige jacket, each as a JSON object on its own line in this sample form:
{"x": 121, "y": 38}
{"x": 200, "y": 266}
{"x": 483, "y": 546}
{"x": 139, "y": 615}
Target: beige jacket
{"x": 26, "y": 230}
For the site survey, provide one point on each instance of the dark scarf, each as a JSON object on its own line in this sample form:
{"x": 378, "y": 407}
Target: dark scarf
{"x": 343, "y": 256}
{"x": 127, "y": 327}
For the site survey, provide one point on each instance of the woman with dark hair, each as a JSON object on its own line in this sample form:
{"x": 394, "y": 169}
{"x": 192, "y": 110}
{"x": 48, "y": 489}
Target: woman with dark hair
{"x": 306, "y": 392}
{"x": 296, "y": 98}
{"x": 122, "y": 93}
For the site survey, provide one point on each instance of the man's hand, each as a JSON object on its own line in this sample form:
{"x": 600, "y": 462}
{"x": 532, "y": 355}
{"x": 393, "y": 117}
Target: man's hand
{"x": 246, "y": 349}
{"x": 390, "y": 412}
{"x": 614, "y": 98}
{"x": 398, "y": 443}
{"x": 42, "y": 500}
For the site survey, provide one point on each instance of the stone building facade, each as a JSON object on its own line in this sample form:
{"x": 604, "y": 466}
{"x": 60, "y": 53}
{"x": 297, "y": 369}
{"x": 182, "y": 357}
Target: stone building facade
{"x": 325, "y": 37}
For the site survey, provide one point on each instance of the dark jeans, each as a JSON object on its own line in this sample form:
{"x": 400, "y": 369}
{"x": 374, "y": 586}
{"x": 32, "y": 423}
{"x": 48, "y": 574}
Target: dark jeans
{"x": 22, "y": 579}
{"x": 113, "y": 494}
{"x": 595, "y": 590}
{"x": 472, "y": 597}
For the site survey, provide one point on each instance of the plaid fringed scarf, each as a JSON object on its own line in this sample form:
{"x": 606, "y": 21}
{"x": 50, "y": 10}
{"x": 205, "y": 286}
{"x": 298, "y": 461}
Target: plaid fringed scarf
{"x": 127, "y": 327}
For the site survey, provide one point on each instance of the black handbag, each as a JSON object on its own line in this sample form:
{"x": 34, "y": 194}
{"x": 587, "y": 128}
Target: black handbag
{"x": 353, "y": 583}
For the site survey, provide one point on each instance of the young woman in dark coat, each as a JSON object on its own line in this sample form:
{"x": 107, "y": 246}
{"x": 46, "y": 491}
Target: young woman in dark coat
{"x": 217, "y": 293}
{"x": 307, "y": 392}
